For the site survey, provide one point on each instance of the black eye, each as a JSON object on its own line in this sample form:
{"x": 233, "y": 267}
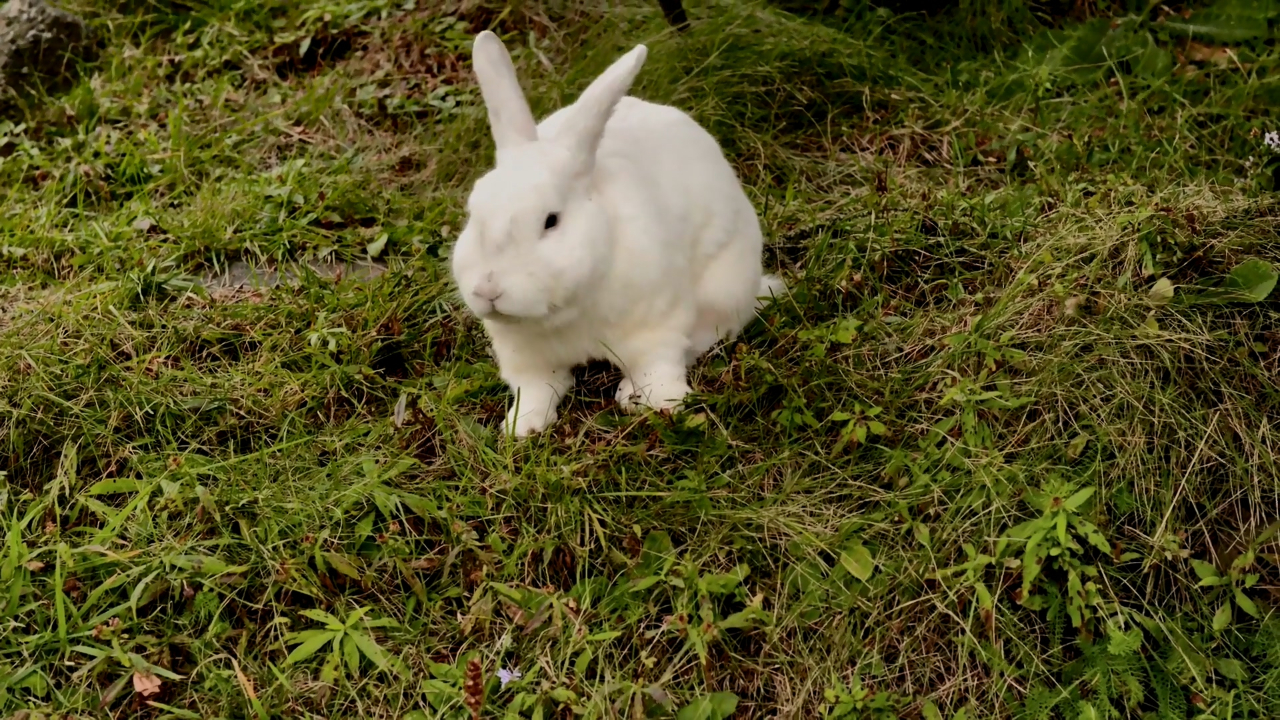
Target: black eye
{"x": 552, "y": 220}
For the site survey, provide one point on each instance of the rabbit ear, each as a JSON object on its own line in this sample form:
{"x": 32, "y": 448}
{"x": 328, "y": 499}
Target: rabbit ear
{"x": 585, "y": 119}
{"x": 509, "y": 116}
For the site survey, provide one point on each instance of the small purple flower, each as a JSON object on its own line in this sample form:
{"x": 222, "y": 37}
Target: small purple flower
{"x": 1272, "y": 140}
{"x": 505, "y": 676}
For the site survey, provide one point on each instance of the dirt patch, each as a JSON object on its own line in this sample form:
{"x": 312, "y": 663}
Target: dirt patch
{"x": 428, "y": 47}
{"x": 315, "y": 53}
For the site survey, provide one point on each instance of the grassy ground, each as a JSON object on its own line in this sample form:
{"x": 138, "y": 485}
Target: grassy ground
{"x": 980, "y": 464}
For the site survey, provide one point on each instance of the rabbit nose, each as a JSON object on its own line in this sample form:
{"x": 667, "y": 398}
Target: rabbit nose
{"x": 487, "y": 289}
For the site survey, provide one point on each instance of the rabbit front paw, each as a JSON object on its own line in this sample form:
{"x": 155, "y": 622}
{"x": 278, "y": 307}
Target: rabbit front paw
{"x": 528, "y": 423}
{"x": 656, "y": 394}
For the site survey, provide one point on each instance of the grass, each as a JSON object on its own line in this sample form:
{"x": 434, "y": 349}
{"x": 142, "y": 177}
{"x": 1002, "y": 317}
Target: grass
{"x": 973, "y": 467}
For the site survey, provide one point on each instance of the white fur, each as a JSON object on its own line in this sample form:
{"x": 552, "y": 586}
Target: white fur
{"x": 654, "y": 259}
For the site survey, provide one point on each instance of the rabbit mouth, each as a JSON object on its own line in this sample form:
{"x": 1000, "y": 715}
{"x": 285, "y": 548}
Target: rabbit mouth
{"x": 551, "y": 313}
{"x": 498, "y": 316}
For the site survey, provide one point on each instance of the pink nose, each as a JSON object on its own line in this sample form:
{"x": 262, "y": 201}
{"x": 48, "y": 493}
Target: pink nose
{"x": 487, "y": 289}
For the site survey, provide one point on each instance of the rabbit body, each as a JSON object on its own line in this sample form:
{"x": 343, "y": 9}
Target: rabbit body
{"x": 654, "y": 258}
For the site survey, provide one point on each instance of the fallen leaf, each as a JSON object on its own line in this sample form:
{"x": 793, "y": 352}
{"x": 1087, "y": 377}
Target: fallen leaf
{"x": 35, "y": 566}
{"x": 514, "y": 612}
{"x": 145, "y": 684}
{"x": 659, "y": 695}
{"x": 397, "y": 415}
{"x": 538, "y": 618}
{"x": 1220, "y": 56}
{"x": 1162, "y": 291}
{"x": 245, "y": 683}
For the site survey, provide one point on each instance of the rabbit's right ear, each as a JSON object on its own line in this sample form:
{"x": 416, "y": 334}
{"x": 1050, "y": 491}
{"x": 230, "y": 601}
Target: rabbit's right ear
{"x": 509, "y": 116}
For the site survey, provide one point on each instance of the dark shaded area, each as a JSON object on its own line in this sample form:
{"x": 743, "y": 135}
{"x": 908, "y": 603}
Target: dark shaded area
{"x": 674, "y": 10}
{"x": 975, "y": 25}
{"x": 322, "y": 50}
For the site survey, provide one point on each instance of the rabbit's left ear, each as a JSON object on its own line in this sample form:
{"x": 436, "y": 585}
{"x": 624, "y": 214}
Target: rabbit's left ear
{"x": 585, "y": 119}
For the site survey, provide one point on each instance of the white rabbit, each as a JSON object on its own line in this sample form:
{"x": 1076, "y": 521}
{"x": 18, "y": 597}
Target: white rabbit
{"x": 615, "y": 229}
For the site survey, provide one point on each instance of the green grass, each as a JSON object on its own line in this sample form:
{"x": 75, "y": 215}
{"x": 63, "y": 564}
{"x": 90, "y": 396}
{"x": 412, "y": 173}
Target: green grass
{"x": 972, "y": 376}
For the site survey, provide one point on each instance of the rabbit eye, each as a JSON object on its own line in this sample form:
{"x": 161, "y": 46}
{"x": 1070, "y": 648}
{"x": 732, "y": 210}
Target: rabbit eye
{"x": 552, "y": 220}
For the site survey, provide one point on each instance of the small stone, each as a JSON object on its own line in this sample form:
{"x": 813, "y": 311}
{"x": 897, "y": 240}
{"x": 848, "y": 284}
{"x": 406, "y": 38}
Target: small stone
{"x": 242, "y": 275}
{"x": 40, "y": 46}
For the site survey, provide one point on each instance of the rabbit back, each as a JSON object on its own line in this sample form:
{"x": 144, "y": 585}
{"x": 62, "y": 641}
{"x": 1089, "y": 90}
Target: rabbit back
{"x": 688, "y": 240}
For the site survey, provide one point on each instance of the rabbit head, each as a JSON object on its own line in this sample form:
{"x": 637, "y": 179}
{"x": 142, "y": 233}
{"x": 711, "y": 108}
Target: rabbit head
{"x": 537, "y": 240}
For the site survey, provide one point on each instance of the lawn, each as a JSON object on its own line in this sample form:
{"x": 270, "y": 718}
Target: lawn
{"x": 1009, "y": 449}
